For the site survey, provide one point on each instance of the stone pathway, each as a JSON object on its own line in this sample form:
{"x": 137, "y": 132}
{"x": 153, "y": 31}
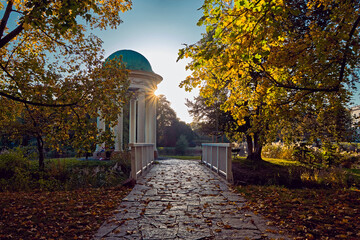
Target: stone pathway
{"x": 181, "y": 199}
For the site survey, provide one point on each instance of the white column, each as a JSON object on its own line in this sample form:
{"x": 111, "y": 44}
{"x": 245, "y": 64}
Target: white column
{"x": 141, "y": 118}
{"x": 119, "y": 133}
{"x": 100, "y": 126}
{"x": 147, "y": 123}
{"x": 132, "y": 121}
{"x": 151, "y": 120}
{"x": 153, "y": 117}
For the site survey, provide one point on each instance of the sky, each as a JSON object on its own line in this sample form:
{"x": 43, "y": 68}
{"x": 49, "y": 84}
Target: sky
{"x": 158, "y": 29}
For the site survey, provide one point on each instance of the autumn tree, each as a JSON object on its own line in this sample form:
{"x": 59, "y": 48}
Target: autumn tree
{"x": 52, "y": 68}
{"x": 276, "y": 59}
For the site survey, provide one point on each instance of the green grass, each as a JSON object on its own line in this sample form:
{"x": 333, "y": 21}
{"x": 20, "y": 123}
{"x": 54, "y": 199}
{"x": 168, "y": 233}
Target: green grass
{"x": 354, "y": 172}
{"x": 238, "y": 159}
{"x": 313, "y": 176}
{"x": 182, "y": 157}
{"x": 69, "y": 163}
{"x": 282, "y": 162}
{"x": 275, "y": 161}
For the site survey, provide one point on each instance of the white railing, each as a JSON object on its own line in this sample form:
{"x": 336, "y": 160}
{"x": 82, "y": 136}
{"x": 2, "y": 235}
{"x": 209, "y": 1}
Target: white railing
{"x": 142, "y": 157}
{"x": 217, "y": 156}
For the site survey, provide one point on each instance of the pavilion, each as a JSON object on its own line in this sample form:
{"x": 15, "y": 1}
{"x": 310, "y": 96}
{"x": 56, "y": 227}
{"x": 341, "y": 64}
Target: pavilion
{"x": 137, "y": 121}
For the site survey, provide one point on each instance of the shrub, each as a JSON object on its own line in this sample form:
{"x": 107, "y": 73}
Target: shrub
{"x": 349, "y": 160}
{"x": 17, "y": 173}
{"x": 278, "y": 150}
{"x": 123, "y": 161}
{"x": 330, "y": 155}
{"x": 328, "y": 178}
{"x": 181, "y": 145}
{"x": 14, "y": 171}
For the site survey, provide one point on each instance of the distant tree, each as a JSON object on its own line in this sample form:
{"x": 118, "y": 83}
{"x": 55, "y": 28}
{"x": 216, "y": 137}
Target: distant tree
{"x": 210, "y": 119}
{"x": 332, "y": 125}
{"x": 164, "y": 119}
{"x": 169, "y": 127}
{"x": 181, "y": 145}
{"x": 175, "y": 130}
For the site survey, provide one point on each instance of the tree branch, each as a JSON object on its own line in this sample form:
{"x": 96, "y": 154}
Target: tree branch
{"x": 19, "y": 99}
{"x": 13, "y": 51}
{"x": 11, "y": 35}
{"x": 278, "y": 84}
{"x": 351, "y": 34}
{"x": 34, "y": 103}
{"x": 5, "y": 18}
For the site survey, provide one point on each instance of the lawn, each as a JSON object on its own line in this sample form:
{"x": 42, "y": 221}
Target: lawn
{"x": 275, "y": 161}
{"x": 72, "y": 162}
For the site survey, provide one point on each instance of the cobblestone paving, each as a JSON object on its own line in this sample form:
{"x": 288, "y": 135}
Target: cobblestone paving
{"x": 181, "y": 199}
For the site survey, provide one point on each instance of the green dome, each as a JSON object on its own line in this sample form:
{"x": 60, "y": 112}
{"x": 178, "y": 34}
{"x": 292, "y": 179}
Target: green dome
{"x": 133, "y": 60}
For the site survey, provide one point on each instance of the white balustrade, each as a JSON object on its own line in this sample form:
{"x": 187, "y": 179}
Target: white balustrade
{"x": 217, "y": 156}
{"x": 142, "y": 158}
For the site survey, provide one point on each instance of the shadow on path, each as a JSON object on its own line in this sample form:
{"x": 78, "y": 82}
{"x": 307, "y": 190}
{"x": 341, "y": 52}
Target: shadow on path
{"x": 182, "y": 199}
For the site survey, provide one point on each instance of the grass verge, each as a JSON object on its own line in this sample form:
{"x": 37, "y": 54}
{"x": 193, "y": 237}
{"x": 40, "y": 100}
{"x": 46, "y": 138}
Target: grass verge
{"x": 275, "y": 161}
{"x": 293, "y": 174}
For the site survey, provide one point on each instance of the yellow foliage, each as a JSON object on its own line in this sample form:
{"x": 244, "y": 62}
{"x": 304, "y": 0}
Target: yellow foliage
{"x": 275, "y": 59}
{"x": 55, "y": 70}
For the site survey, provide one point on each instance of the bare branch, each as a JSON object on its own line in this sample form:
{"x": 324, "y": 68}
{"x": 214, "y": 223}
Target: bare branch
{"x": 5, "y": 18}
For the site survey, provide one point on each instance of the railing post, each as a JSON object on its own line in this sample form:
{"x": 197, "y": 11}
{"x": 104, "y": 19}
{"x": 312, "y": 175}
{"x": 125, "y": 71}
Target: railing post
{"x": 146, "y": 157}
{"x": 217, "y": 159}
{"x": 205, "y": 154}
{"x": 142, "y": 160}
{"x": 215, "y": 156}
{"x": 141, "y": 154}
{"x": 211, "y": 157}
{"x": 229, "y": 173}
{"x": 202, "y": 153}
{"x": 133, "y": 161}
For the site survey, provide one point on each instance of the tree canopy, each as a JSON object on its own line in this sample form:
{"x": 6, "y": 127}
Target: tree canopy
{"x": 277, "y": 59}
{"x": 53, "y": 74}
{"x": 45, "y": 48}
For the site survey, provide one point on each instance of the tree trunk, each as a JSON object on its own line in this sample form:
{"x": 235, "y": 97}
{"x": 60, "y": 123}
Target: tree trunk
{"x": 257, "y": 148}
{"x": 249, "y": 145}
{"x": 40, "y": 145}
{"x": 254, "y": 148}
